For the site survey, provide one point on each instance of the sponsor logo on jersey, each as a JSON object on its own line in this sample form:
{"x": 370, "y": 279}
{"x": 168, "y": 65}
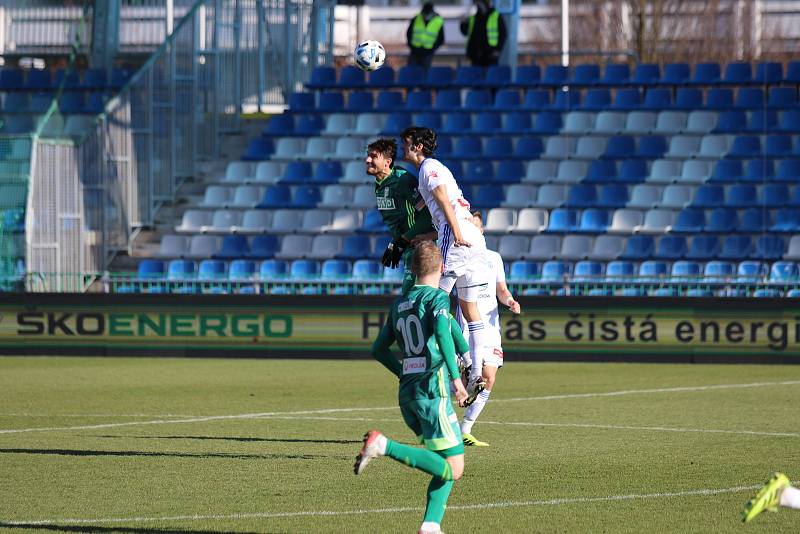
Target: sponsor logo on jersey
{"x": 414, "y": 365}
{"x": 385, "y": 202}
{"x": 405, "y": 306}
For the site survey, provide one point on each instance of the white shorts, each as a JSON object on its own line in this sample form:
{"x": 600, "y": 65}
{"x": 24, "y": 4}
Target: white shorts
{"x": 466, "y": 268}
{"x": 493, "y": 357}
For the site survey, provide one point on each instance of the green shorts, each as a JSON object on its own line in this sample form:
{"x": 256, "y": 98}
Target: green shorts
{"x": 435, "y": 424}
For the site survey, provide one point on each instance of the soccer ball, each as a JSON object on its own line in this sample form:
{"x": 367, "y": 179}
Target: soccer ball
{"x": 369, "y": 55}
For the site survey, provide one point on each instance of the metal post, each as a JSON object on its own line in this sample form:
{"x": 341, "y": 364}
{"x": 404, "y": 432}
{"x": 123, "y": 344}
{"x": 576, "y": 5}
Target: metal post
{"x": 170, "y": 20}
{"x": 510, "y": 11}
{"x": 565, "y": 33}
{"x": 237, "y": 50}
{"x": 105, "y": 34}
{"x": 215, "y": 109}
{"x": 261, "y": 30}
{"x": 288, "y": 77}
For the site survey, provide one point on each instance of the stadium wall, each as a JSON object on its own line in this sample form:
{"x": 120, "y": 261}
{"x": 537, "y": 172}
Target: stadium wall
{"x": 591, "y": 329}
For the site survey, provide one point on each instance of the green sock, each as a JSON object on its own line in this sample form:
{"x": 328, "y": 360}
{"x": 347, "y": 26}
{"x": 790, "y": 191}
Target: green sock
{"x": 438, "y": 492}
{"x": 421, "y": 459}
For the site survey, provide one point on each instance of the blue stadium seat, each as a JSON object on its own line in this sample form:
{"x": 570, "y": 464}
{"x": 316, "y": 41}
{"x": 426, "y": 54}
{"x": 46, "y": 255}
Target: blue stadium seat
{"x": 786, "y": 220}
{"x": 479, "y": 171}
{"x": 601, "y": 171}
{"x": 620, "y": 270}
{"x": 657, "y": 99}
{"x": 587, "y": 271}
{"x": 759, "y": 170}
{"x": 389, "y": 101}
{"x": 487, "y": 123}
{"x": 671, "y": 247}
{"x": 212, "y": 270}
{"x": 508, "y": 171}
{"x": 718, "y": 271}
{"x": 620, "y": 147}
{"x": 738, "y": 73}
{"x": 181, "y": 270}
{"x": 563, "y": 220}
{"x": 646, "y": 74}
{"x": 258, "y": 149}
{"x": 448, "y": 100}
{"x": 468, "y": 76}
{"x": 498, "y": 148}
{"x": 466, "y": 147}
{"x": 726, "y": 171}
{"x": 330, "y": 102}
{"x": 612, "y": 196}
{"x": 594, "y": 221}
{"x": 71, "y": 103}
{"x": 497, "y": 76}
{"x": 675, "y": 74}
{"x": 555, "y": 75}
{"x": 768, "y": 72}
{"x": 306, "y": 197}
{"x": 789, "y": 121}
{"x": 351, "y": 77}
{"x": 275, "y": 197}
{"x": 381, "y": 242}
{"x": 410, "y": 76}
{"x": 736, "y": 247}
{"x": 639, "y": 247}
{"x": 11, "y": 79}
{"x": 688, "y": 98}
{"x": 322, "y": 78}
{"x": 360, "y": 102}
{"x": 742, "y": 196}
{"x": 596, "y": 99}
{"x": 706, "y": 74}
{"x": 581, "y": 196}
{"x": 487, "y": 196}
{"x": 335, "y": 270}
{"x": 303, "y": 102}
{"x": 95, "y": 103}
{"x": 280, "y": 125}
{"x": 769, "y": 247}
{"x": 632, "y": 171}
{"x": 555, "y": 270}
{"x": 709, "y": 196}
{"x": 151, "y": 269}
{"x": 457, "y": 123}
{"x": 381, "y": 78}
{"x": 439, "y": 77}
{"x": 719, "y": 98}
{"x": 419, "y": 100}
{"x": 566, "y": 100}
{"x": 429, "y": 120}
{"x": 722, "y": 220}
{"x": 775, "y": 195}
{"x": 762, "y": 121}
{"x": 703, "y": 247}
{"x": 304, "y": 269}
{"x": 547, "y": 123}
{"x": 689, "y": 221}
{"x": 778, "y": 146}
{"x": 536, "y": 99}
{"x": 233, "y": 246}
{"x": 651, "y": 146}
{"x": 297, "y": 172}
{"x": 524, "y": 270}
{"x": 240, "y": 270}
{"x": 751, "y": 271}
{"x": 784, "y": 271}
{"x": 686, "y": 271}
{"x": 373, "y": 223}
{"x": 396, "y": 123}
{"x": 273, "y": 269}
{"x": 507, "y": 99}
{"x": 527, "y": 75}
{"x": 782, "y": 98}
{"x": 366, "y": 270}
{"x": 745, "y": 146}
{"x": 627, "y": 99}
{"x": 40, "y": 80}
{"x": 749, "y": 98}
{"x": 327, "y": 172}
{"x": 309, "y": 125}
{"x": 531, "y": 148}
{"x": 653, "y": 271}
{"x": 731, "y": 122}
{"x": 788, "y": 171}
{"x": 754, "y": 220}
{"x": 585, "y": 74}
{"x": 355, "y": 247}
{"x": 616, "y": 74}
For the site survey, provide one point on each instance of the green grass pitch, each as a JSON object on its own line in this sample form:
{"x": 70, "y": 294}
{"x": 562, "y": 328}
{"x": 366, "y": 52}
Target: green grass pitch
{"x": 224, "y": 445}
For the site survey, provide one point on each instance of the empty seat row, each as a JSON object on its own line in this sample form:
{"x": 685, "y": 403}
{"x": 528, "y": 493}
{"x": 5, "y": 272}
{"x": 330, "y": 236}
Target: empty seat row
{"x": 12, "y": 79}
{"x": 311, "y": 221}
{"x": 614, "y": 74}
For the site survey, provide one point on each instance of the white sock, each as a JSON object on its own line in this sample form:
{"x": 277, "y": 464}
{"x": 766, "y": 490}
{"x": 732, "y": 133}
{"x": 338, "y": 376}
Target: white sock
{"x": 382, "y": 444}
{"x": 477, "y": 340}
{"x": 474, "y": 410}
{"x": 466, "y": 359}
{"x": 430, "y": 526}
{"x": 790, "y": 497}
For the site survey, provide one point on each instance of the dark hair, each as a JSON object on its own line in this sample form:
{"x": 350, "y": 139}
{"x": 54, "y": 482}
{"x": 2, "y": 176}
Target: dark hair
{"x": 427, "y": 7}
{"x": 419, "y": 135}
{"x": 384, "y": 146}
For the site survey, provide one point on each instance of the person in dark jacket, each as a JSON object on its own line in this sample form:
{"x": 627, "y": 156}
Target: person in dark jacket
{"x": 424, "y": 35}
{"x": 486, "y": 34}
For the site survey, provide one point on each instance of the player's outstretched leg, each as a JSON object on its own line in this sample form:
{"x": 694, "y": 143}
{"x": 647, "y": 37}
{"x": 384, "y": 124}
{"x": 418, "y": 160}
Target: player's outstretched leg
{"x": 376, "y": 444}
{"x": 767, "y": 498}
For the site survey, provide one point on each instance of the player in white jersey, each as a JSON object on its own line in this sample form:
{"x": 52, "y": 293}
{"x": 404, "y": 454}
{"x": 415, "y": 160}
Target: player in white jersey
{"x": 461, "y": 242}
{"x": 496, "y": 290}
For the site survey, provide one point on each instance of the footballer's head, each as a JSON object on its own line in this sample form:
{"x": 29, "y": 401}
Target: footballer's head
{"x": 418, "y": 140}
{"x": 380, "y": 157}
{"x": 427, "y": 259}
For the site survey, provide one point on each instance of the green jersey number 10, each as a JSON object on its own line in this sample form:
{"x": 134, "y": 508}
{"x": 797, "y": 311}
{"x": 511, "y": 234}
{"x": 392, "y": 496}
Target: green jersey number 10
{"x": 411, "y": 330}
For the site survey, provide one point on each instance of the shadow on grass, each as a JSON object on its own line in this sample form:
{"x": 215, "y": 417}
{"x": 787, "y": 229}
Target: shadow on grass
{"x": 244, "y": 439}
{"x": 74, "y": 452}
{"x": 120, "y": 530}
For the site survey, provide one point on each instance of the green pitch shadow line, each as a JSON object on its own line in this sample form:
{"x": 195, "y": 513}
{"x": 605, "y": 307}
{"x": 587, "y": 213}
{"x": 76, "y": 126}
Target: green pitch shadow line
{"x": 119, "y": 530}
{"x": 243, "y": 439}
{"x": 76, "y": 452}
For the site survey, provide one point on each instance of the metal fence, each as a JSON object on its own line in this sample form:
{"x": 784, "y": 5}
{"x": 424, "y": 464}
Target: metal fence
{"x": 97, "y": 180}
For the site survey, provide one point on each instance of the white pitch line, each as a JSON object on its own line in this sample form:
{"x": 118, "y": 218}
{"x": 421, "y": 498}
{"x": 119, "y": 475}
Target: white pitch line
{"x": 330, "y": 513}
{"x": 575, "y": 425}
{"x": 682, "y": 389}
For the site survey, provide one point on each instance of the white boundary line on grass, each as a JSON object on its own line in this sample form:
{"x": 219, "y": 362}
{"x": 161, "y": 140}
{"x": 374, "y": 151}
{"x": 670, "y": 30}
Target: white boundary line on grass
{"x": 342, "y": 410}
{"x": 330, "y": 513}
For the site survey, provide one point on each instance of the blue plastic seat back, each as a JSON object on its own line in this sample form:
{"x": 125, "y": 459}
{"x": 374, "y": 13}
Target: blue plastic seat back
{"x": 652, "y": 146}
{"x": 419, "y": 100}
{"x": 585, "y": 74}
{"x": 563, "y": 220}
{"x": 736, "y": 247}
{"x": 671, "y": 247}
{"x": 594, "y": 220}
{"x": 657, "y": 99}
{"x": 506, "y": 99}
{"x": 301, "y": 269}
{"x": 778, "y": 146}
{"x": 335, "y": 269}
{"x": 786, "y": 220}
{"x": 566, "y": 100}
{"x": 719, "y": 269}
{"x": 620, "y": 147}
{"x": 639, "y": 247}
{"x": 151, "y": 269}
{"x": 439, "y": 76}
{"x": 487, "y": 196}
{"x": 686, "y": 269}
{"x": 742, "y": 196}
{"x": 181, "y": 269}
{"x": 720, "y": 98}
{"x": 241, "y": 270}
{"x": 627, "y": 99}
{"x": 788, "y": 171}
{"x": 351, "y": 77}
{"x": 709, "y": 196}
{"x": 676, "y": 74}
{"x": 322, "y": 77}
{"x": 783, "y": 271}
{"x": 738, "y": 73}
{"x": 722, "y": 220}
{"x": 745, "y": 146}
{"x": 731, "y": 122}
{"x": 448, "y": 100}
{"x": 468, "y": 76}
{"x": 536, "y": 99}
{"x": 280, "y": 125}
{"x": 769, "y": 247}
{"x": 212, "y": 270}
{"x": 587, "y": 270}
{"x": 383, "y": 77}
{"x": 653, "y": 269}
{"x": 555, "y": 270}
{"x": 616, "y": 74}
{"x": 355, "y": 247}
{"x": 632, "y": 171}
{"x": 555, "y": 75}
{"x": 547, "y": 122}
{"x": 646, "y": 74}
{"x": 612, "y": 196}
{"x": 782, "y": 98}
{"x": 762, "y": 121}
{"x": 688, "y": 98}
{"x": 690, "y": 220}
{"x": 410, "y": 76}
{"x": 759, "y": 170}
{"x": 263, "y": 246}
{"x": 706, "y": 73}
{"x": 306, "y": 196}
{"x": 272, "y": 269}
{"x": 233, "y": 246}
{"x": 367, "y": 269}
{"x": 581, "y": 196}
{"x": 297, "y": 172}
{"x": 300, "y": 102}
{"x": 704, "y": 247}
{"x": 601, "y": 171}
{"x": 749, "y": 98}
{"x": 768, "y": 72}
{"x": 390, "y": 101}
{"x": 620, "y": 269}
{"x": 524, "y": 270}
{"x": 528, "y": 147}
{"x": 508, "y": 172}
{"x": 527, "y": 75}
{"x": 597, "y": 99}
{"x": 310, "y": 124}
{"x": 487, "y": 123}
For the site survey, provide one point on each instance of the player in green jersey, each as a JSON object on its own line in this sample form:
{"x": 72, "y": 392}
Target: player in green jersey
{"x": 399, "y": 203}
{"x": 419, "y": 322}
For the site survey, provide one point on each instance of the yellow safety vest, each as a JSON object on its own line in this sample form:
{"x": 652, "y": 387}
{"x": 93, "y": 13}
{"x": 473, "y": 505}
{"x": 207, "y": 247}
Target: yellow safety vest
{"x": 492, "y": 28}
{"x": 424, "y": 35}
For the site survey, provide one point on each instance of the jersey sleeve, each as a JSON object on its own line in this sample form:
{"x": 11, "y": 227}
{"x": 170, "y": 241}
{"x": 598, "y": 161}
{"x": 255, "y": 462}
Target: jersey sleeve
{"x": 444, "y": 336}
{"x": 435, "y": 175}
{"x": 381, "y": 351}
{"x": 500, "y": 268}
